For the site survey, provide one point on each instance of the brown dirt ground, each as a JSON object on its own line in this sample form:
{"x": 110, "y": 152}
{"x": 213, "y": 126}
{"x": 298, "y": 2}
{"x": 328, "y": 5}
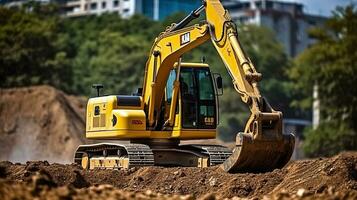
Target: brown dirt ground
{"x": 42, "y": 123}
{"x": 328, "y": 178}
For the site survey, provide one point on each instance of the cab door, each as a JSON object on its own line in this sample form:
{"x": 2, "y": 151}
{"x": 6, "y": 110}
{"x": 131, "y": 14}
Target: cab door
{"x": 189, "y": 98}
{"x": 198, "y": 102}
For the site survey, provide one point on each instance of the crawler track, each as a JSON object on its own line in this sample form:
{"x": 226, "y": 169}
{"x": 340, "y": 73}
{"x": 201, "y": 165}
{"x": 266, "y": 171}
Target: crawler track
{"x": 138, "y": 155}
{"x": 123, "y": 156}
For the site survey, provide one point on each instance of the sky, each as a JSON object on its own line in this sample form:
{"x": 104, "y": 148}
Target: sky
{"x": 322, "y": 7}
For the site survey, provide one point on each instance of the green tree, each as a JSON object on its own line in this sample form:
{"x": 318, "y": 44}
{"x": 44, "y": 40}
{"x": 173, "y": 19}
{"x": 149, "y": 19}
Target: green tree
{"x": 28, "y": 52}
{"x": 110, "y": 50}
{"x": 331, "y": 65}
{"x": 115, "y": 60}
{"x": 269, "y": 57}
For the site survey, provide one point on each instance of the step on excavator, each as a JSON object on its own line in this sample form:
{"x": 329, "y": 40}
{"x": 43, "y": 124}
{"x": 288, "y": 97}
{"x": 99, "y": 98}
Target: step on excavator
{"x": 179, "y": 101}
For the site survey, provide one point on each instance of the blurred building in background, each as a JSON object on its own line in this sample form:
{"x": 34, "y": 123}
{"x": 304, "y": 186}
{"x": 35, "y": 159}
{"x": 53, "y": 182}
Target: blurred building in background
{"x": 19, "y": 3}
{"x": 286, "y": 19}
{"x": 125, "y": 8}
{"x": 77, "y": 8}
{"x": 159, "y": 9}
{"x": 154, "y": 9}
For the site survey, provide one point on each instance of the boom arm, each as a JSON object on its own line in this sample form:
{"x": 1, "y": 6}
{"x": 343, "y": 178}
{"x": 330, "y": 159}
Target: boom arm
{"x": 264, "y": 125}
{"x": 168, "y": 48}
{"x": 245, "y": 78}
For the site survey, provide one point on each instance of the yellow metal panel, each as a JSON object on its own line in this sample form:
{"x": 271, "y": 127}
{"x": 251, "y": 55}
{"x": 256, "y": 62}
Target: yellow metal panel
{"x": 105, "y": 104}
{"x": 190, "y": 65}
{"x": 125, "y": 134}
{"x": 188, "y": 134}
{"x": 130, "y": 119}
{"x": 117, "y": 134}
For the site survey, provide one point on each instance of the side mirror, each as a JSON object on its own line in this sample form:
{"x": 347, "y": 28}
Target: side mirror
{"x": 139, "y": 92}
{"x": 218, "y": 83}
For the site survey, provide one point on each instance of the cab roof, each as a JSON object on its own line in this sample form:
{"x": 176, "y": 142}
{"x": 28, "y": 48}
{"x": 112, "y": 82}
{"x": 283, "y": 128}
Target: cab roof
{"x": 189, "y": 64}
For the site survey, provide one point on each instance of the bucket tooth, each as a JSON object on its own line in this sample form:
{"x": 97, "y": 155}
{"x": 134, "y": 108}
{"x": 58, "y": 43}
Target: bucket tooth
{"x": 259, "y": 155}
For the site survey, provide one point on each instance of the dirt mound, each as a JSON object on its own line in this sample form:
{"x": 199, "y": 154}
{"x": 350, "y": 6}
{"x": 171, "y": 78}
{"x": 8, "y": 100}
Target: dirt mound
{"x": 339, "y": 172}
{"x": 328, "y": 178}
{"x": 40, "y": 123}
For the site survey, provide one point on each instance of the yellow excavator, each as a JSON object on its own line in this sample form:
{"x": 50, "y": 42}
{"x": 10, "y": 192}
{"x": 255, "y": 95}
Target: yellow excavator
{"x": 179, "y": 101}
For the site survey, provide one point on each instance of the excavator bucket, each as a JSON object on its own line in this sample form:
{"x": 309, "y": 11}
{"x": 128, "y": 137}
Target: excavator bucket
{"x": 259, "y": 155}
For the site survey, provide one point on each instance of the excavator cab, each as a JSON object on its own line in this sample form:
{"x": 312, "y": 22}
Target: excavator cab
{"x": 198, "y": 97}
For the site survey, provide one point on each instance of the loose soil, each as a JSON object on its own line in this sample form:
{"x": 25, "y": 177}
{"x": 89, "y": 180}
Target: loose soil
{"x": 42, "y": 123}
{"x": 324, "y": 178}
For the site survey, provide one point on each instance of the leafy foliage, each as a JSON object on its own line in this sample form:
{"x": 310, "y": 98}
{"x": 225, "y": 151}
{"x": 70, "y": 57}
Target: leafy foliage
{"x": 72, "y": 54}
{"x": 108, "y": 51}
{"x": 331, "y": 65}
{"x": 28, "y": 51}
{"x": 268, "y": 56}
{"x": 329, "y": 138}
